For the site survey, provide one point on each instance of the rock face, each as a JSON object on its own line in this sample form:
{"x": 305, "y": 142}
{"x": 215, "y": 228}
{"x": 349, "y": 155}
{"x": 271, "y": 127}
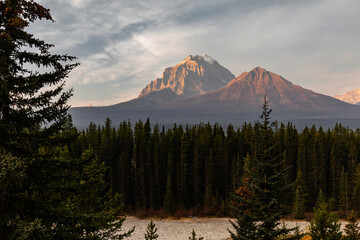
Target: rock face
{"x": 193, "y": 76}
{"x": 350, "y": 97}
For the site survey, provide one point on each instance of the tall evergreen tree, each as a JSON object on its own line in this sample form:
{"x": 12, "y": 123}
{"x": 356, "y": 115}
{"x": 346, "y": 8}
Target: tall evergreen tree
{"x": 266, "y": 185}
{"x": 50, "y": 195}
{"x": 344, "y": 193}
{"x": 300, "y": 196}
{"x": 169, "y": 194}
{"x": 356, "y": 190}
{"x": 29, "y": 98}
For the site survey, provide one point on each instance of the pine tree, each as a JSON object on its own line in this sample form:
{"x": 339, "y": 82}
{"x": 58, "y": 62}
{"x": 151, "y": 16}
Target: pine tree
{"x": 169, "y": 195}
{"x": 242, "y": 207}
{"x": 356, "y": 190}
{"x": 193, "y": 236}
{"x": 151, "y": 231}
{"x": 299, "y": 205}
{"x": 263, "y": 209}
{"x": 344, "y": 193}
{"x": 324, "y": 225}
{"x": 300, "y": 196}
{"x": 29, "y": 98}
{"x": 49, "y": 195}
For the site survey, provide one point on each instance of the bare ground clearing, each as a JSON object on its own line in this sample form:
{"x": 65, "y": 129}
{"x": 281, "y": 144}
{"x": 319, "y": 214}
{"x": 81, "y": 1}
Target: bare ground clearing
{"x": 180, "y": 229}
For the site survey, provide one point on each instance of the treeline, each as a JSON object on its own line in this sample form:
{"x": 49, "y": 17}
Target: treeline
{"x": 198, "y": 167}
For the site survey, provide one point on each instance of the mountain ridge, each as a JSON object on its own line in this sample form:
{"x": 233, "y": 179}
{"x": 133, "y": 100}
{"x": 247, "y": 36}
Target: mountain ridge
{"x": 237, "y": 101}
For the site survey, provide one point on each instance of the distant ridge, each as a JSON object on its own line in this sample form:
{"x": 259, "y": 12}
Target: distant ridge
{"x": 350, "y": 97}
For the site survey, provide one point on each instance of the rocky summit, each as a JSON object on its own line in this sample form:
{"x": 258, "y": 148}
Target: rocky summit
{"x": 193, "y": 76}
{"x": 350, "y": 97}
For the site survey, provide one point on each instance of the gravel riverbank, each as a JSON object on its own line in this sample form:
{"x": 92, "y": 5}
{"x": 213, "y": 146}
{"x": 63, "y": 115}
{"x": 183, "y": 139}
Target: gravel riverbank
{"x": 180, "y": 229}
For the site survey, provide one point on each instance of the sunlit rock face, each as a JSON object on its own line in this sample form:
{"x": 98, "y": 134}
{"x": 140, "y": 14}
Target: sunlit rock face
{"x": 350, "y": 97}
{"x": 195, "y": 75}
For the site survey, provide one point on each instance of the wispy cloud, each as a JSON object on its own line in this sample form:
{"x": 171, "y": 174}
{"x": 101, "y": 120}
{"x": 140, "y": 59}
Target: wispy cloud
{"x": 123, "y": 45}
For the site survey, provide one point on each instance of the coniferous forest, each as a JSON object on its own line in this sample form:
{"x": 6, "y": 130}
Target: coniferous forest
{"x": 199, "y": 167}
{"x": 58, "y": 182}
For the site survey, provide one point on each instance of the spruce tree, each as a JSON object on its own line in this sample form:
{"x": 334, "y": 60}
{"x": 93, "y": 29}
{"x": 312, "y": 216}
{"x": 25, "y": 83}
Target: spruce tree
{"x": 151, "y": 231}
{"x": 30, "y": 97}
{"x": 263, "y": 208}
{"x": 193, "y": 236}
{"x": 356, "y": 190}
{"x": 344, "y": 193}
{"x": 324, "y": 225}
{"x": 44, "y": 192}
{"x": 169, "y": 194}
{"x": 242, "y": 208}
{"x": 300, "y": 196}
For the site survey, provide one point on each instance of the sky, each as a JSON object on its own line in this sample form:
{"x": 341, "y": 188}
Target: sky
{"x": 122, "y": 45}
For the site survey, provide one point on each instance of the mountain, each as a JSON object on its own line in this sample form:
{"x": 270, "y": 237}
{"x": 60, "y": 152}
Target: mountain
{"x": 350, "y": 97}
{"x": 193, "y": 76}
{"x": 246, "y": 92}
{"x": 240, "y": 100}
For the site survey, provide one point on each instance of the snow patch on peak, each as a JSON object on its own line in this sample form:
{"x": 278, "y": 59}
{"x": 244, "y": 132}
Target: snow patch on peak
{"x": 208, "y": 58}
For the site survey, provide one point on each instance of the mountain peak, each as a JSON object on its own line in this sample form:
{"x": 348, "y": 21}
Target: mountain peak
{"x": 199, "y": 59}
{"x": 195, "y": 75}
{"x": 258, "y": 69}
{"x": 350, "y": 97}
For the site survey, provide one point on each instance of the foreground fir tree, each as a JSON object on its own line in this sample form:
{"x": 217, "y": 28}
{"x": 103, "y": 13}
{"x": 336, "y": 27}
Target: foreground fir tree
{"x": 258, "y": 208}
{"x": 151, "y": 231}
{"x": 324, "y": 225}
{"x": 29, "y": 98}
{"x": 44, "y": 193}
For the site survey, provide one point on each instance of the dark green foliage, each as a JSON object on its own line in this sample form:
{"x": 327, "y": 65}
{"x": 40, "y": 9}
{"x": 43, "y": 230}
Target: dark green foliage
{"x": 300, "y": 196}
{"x": 169, "y": 194}
{"x": 356, "y": 190}
{"x": 299, "y": 205}
{"x": 13, "y": 173}
{"x": 258, "y": 203}
{"x": 352, "y": 229}
{"x": 70, "y": 195}
{"x": 151, "y": 231}
{"x": 242, "y": 207}
{"x": 59, "y": 197}
{"x": 209, "y": 163}
{"x": 344, "y": 193}
{"x": 324, "y": 225}
{"x": 193, "y": 236}
{"x": 51, "y": 185}
{"x": 29, "y": 98}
